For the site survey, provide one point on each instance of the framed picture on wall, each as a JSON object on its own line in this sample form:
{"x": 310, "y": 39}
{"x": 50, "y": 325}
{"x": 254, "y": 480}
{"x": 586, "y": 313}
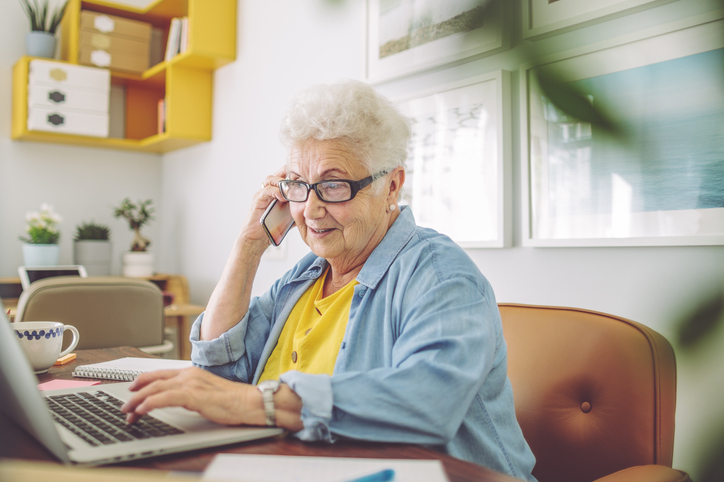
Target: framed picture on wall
{"x": 660, "y": 181}
{"x": 408, "y": 36}
{"x": 458, "y": 169}
{"x": 542, "y": 18}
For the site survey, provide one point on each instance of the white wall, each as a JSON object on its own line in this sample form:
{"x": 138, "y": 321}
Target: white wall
{"x": 282, "y": 48}
{"x": 204, "y": 192}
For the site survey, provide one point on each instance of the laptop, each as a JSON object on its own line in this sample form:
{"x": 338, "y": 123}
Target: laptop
{"x": 53, "y": 417}
{"x": 28, "y": 274}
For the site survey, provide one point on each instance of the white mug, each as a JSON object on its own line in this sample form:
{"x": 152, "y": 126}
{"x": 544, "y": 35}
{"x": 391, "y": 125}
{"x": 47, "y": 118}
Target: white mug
{"x": 42, "y": 341}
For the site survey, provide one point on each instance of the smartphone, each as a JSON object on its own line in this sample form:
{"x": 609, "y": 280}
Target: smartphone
{"x": 277, "y": 221}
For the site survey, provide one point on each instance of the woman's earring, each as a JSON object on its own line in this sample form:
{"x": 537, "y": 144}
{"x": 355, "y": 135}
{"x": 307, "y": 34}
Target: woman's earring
{"x": 391, "y": 207}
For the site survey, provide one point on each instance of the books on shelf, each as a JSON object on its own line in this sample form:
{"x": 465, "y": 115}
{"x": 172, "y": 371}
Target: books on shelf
{"x": 127, "y": 369}
{"x": 178, "y": 37}
{"x": 162, "y": 116}
{"x": 183, "y": 43}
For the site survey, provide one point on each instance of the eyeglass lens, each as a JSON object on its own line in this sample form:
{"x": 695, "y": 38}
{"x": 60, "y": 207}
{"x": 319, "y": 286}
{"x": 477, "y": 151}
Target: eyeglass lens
{"x": 335, "y": 191}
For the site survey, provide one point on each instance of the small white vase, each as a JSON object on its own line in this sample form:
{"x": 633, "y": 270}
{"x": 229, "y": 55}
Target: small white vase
{"x": 40, "y": 44}
{"x": 41, "y": 254}
{"x": 94, "y": 254}
{"x": 138, "y": 264}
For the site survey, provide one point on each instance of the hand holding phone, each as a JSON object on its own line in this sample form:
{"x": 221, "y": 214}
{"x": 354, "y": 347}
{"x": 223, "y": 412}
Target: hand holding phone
{"x": 277, "y": 221}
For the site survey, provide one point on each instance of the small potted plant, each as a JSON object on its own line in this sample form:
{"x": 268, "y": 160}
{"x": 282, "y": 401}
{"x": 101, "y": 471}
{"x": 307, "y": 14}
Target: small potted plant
{"x": 41, "y": 243}
{"x": 92, "y": 248}
{"x": 40, "y": 41}
{"x": 138, "y": 262}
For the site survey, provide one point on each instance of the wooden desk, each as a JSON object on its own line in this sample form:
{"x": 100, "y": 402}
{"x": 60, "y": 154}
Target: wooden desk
{"x": 19, "y": 445}
{"x": 179, "y": 315}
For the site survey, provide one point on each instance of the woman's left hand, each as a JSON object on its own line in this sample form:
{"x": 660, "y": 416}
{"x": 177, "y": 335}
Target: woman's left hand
{"x": 215, "y": 398}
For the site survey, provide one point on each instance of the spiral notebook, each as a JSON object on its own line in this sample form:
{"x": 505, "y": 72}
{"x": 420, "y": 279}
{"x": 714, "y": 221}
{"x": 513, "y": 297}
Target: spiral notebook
{"x": 127, "y": 369}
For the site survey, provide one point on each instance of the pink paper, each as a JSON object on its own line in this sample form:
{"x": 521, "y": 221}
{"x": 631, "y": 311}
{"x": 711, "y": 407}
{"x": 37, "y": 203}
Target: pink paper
{"x": 58, "y": 384}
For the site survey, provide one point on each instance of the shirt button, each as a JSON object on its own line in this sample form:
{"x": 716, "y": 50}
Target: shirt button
{"x": 294, "y": 357}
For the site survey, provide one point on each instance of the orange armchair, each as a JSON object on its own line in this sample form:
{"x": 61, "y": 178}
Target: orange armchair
{"x": 595, "y": 394}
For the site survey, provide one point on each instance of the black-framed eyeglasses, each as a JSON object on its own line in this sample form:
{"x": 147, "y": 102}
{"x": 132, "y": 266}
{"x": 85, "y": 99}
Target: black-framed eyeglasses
{"x": 332, "y": 191}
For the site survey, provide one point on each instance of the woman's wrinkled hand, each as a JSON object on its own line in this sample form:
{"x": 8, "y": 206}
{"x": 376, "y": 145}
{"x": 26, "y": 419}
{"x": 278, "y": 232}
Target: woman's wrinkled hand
{"x": 213, "y": 397}
{"x": 268, "y": 191}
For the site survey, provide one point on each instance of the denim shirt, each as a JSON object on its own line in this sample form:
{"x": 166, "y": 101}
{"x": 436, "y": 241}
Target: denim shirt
{"x": 423, "y": 359}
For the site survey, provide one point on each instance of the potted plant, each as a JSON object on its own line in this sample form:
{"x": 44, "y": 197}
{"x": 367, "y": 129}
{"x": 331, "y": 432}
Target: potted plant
{"x": 40, "y": 41}
{"x": 138, "y": 262}
{"x": 41, "y": 243}
{"x": 92, "y": 248}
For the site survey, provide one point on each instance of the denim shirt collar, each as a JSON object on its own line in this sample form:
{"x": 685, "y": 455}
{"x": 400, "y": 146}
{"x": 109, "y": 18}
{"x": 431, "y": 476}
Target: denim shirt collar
{"x": 380, "y": 259}
{"x": 385, "y": 253}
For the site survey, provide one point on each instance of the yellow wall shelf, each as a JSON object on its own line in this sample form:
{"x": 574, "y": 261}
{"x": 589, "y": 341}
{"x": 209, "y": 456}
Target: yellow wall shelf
{"x": 185, "y": 82}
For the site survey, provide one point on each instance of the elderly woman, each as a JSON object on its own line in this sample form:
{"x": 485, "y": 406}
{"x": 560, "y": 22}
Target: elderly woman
{"x": 385, "y": 331}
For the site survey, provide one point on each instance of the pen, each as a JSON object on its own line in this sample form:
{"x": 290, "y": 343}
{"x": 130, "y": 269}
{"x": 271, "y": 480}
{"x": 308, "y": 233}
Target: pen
{"x": 382, "y": 476}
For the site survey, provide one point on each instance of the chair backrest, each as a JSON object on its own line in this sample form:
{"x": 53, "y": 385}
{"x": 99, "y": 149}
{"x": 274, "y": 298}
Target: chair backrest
{"x": 108, "y": 311}
{"x": 594, "y": 393}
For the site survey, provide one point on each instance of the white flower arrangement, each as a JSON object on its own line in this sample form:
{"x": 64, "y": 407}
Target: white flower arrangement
{"x": 42, "y": 226}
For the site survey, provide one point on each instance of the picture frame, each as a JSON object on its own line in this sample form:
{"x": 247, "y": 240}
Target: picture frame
{"x": 395, "y": 48}
{"x": 543, "y": 18}
{"x": 656, "y": 186}
{"x": 458, "y": 174}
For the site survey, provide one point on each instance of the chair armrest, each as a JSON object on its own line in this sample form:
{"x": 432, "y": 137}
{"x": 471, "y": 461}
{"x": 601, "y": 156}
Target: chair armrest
{"x": 647, "y": 473}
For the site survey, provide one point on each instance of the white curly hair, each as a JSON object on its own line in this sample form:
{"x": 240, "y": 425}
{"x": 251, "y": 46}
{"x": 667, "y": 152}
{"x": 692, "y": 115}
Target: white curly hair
{"x": 353, "y": 113}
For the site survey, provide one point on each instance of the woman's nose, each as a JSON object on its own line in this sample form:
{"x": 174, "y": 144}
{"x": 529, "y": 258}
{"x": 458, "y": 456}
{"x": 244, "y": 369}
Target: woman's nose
{"x": 313, "y": 206}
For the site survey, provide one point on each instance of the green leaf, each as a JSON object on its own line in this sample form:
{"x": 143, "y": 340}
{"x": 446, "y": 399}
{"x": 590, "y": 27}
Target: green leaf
{"x": 701, "y": 321}
{"x": 92, "y": 231}
{"x": 482, "y": 12}
{"x": 713, "y": 464}
{"x": 57, "y": 17}
{"x": 38, "y": 14}
{"x": 574, "y": 103}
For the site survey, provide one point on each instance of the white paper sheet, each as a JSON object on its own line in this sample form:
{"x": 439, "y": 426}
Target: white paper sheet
{"x": 278, "y": 468}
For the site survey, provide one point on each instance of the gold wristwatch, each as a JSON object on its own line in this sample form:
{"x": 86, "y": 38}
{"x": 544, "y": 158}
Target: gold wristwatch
{"x": 268, "y": 388}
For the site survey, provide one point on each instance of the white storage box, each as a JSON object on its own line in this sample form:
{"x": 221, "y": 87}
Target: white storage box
{"x": 68, "y": 121}
{"x": 59, "y": 73}
{"x": 66, "y": 98}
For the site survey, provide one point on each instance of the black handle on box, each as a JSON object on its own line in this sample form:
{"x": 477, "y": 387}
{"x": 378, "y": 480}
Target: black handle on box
{"x": 56, "y": 96}
{"x": 56, "y": 119}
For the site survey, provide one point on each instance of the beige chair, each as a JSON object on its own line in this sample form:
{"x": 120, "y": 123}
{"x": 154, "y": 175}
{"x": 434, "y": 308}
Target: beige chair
{"x": 595, "y": 394}
{"x": 108, "y": 311}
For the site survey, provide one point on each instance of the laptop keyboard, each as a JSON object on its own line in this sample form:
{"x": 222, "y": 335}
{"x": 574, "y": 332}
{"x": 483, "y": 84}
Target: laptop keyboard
{"x": 96, "y": 417}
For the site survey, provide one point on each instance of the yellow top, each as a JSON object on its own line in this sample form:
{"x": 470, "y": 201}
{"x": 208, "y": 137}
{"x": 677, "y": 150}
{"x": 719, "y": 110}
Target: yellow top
{"x": 313, "y": 333}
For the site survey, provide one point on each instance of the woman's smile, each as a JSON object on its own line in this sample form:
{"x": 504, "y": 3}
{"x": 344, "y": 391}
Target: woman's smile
{"x": 320, "y": 231}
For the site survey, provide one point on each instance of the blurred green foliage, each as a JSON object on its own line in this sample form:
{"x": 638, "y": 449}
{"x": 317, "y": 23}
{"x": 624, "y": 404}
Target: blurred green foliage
{"x": 713, "y": 462}
{"x": 699, "y": 324}
{"x": 576, "y": 104}
{"x": 92, "y": 231}
{"x": 694, "y": 329}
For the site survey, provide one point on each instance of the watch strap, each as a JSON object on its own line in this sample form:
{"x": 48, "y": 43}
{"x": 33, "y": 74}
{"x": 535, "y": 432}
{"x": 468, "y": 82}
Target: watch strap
{"x": 268, "y": 389}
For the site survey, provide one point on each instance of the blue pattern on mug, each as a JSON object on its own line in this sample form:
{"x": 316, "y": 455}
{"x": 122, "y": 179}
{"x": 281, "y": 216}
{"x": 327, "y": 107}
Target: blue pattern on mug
{"x": 35, "y": 335}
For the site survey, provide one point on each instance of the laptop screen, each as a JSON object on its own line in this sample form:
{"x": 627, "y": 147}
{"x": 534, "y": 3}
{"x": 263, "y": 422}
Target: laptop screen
{"x": 35, "y": 275}
{"x": 29, "y": 274}
{"x": 20, "y": 401}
